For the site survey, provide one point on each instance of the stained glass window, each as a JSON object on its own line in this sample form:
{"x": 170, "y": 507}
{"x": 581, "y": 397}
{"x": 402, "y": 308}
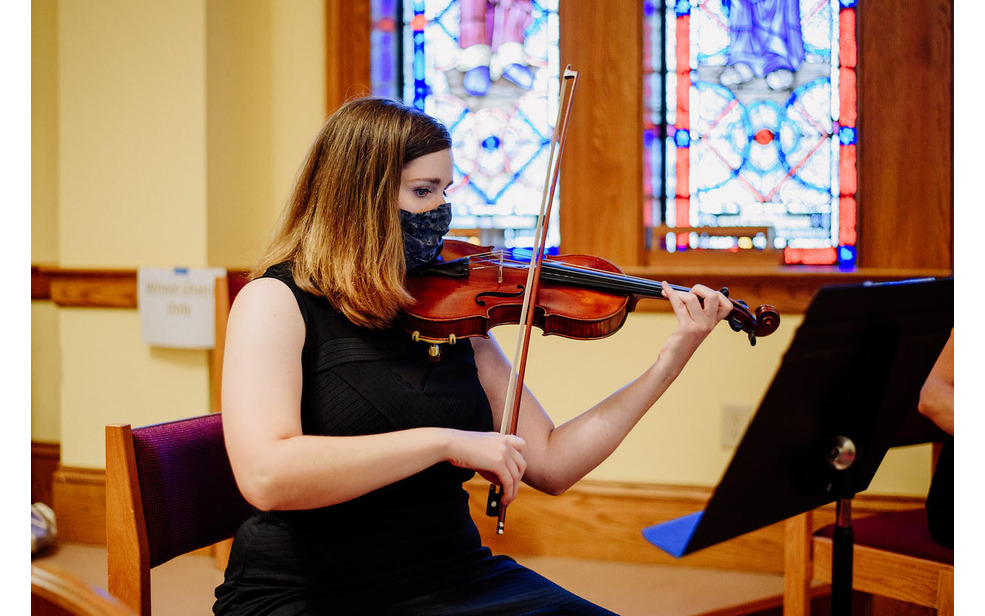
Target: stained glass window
{"x": 384, "y": 45}
{"x": 490, "y": 72}
{"x": 750, "y": 127}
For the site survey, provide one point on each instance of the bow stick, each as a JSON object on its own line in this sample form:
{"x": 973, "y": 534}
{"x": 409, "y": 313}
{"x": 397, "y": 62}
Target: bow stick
{"x": 511, "y": 409}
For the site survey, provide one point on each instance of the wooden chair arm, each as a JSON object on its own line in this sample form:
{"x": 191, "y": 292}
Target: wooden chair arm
{"x": 56, "y": 593}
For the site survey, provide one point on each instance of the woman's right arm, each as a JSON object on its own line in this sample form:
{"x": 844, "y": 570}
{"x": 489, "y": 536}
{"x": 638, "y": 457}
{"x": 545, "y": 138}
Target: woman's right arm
{"x": 276, "y": 466}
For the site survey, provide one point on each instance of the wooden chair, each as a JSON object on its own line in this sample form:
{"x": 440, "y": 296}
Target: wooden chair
{"x": 57, "y": 593}
{"x": 893, "y": 556}
{"x": 169, "y": 491}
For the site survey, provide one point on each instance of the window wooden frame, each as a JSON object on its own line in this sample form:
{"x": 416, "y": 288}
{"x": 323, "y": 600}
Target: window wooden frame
{"x": 905, "y": 163}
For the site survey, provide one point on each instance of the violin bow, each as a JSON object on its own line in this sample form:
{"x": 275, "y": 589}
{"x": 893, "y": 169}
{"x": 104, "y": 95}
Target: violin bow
{"x": 514, "y": 392}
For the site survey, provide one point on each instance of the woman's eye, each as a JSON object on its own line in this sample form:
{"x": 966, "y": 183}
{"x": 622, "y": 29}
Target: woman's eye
{"x": 422, "y": 192}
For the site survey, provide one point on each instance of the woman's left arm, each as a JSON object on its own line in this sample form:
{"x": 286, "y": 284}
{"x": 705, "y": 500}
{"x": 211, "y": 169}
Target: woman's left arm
{"x": 557, "y": 457}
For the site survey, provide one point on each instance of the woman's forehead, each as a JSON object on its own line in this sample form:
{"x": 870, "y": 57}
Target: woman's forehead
{"x": 433, "y": 166}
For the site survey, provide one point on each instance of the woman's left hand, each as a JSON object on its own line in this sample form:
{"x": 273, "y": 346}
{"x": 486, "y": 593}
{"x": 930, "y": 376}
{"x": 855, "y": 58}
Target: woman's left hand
{"x": 698, "y": 312}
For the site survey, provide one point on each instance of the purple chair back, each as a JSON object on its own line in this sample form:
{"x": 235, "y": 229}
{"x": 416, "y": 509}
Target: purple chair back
{"x": 189, "y": 494}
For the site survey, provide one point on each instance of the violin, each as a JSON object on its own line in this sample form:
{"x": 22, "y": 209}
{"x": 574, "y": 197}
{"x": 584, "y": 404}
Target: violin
{"x": 470, "y": 289}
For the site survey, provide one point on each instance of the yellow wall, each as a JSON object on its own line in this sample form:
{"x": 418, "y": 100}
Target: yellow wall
{"x": 45, "y": 358}
{"x": 132, "y": 102}
{"x": 159, "y": 145}
{"x": 170, "y": 134}
{"x": 240, "y": 127}
{"x": 45, "y": 373}
{"x": 679, "y": 440}
{"x": 44, "y": 131}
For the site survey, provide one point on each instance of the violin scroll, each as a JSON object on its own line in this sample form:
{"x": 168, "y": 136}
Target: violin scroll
{"x": 767, "y": 320}
{"x": 764, "y": 322}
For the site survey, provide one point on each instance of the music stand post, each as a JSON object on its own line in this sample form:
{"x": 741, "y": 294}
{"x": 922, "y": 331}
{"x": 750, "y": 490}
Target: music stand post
{"x": 848, "y": 384}
{"x": 841, "y": 458}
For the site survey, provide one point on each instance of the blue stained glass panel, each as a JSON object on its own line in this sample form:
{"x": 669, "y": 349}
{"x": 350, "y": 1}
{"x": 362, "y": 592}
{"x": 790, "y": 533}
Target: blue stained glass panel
{"x": 490, "y": 72}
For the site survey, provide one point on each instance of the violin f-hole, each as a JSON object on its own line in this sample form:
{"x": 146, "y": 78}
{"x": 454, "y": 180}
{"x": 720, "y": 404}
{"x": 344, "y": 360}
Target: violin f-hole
{"x": 502, "y": 294}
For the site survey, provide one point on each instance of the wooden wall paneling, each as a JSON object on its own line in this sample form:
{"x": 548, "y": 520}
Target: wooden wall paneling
{"x": 79, "y": 496}
{"x": 604, "y": 521}
{"x": 788, "y": 289}
{"x": 78, "y": 288}
{"x": 601, "y": 186}
{"x": 44, "y": 463}
{"x": 905, "y": 128}
{"x": 594, "y": 519}
{"x": 96, "y": 288}
{"x": 347, "y": 66}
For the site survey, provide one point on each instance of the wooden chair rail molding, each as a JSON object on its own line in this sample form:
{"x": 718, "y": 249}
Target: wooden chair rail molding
{"x": 89, "y": 288}
{"x": 788, "y": 289}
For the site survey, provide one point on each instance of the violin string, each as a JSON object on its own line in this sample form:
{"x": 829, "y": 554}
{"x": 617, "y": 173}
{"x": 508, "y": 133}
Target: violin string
{"x": 488, "y": 262}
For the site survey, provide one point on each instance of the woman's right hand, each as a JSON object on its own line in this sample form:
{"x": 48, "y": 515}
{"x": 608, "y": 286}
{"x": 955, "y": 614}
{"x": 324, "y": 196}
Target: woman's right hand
{"x": 496, "y": 457}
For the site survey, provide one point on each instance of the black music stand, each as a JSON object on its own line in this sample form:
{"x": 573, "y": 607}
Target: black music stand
{"x": 847, "y": 384}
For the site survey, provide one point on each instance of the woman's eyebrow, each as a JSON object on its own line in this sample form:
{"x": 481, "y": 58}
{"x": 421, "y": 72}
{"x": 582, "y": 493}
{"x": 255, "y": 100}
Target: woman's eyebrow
{"x": 435, "y": 181}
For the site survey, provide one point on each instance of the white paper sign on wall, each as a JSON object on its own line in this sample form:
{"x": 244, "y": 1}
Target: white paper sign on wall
{"x": 177, "y": 306}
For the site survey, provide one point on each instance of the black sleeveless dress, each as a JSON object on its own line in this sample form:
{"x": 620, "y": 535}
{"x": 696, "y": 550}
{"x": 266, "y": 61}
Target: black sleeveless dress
{"x": 408, "y": 548}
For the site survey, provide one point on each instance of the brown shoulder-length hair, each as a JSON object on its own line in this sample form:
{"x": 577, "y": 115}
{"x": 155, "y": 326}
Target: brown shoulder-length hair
{"x": 341, "y": 231}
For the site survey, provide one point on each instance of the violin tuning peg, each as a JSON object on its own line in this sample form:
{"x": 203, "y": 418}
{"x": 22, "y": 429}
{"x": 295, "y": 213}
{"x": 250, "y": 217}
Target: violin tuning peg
{"x": 724, "y": 291}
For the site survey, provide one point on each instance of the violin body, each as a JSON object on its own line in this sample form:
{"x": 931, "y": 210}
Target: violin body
{"x": 450, "y": 306}
{"x": 470, "y": 289}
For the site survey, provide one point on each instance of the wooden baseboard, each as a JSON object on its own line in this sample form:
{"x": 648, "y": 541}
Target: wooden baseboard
{"x": 595, "y": 520}
{"x": 44, "y": 463}
{"x": 80, "y": 504}
{"x": 603, "y": 521}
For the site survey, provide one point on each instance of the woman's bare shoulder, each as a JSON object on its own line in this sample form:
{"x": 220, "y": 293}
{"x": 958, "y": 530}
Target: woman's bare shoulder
{"x": 268, "y": 301}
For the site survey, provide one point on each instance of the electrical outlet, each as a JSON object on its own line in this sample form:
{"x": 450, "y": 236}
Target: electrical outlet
{"x": 735, "y": 418}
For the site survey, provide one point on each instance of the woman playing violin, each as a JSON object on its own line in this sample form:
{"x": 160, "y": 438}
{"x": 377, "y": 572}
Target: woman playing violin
{"x": 351, "y": 443}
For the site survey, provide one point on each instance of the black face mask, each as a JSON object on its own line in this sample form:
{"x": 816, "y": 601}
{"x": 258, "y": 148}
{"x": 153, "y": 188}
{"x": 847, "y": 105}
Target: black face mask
{"x": 422, "y": 234}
